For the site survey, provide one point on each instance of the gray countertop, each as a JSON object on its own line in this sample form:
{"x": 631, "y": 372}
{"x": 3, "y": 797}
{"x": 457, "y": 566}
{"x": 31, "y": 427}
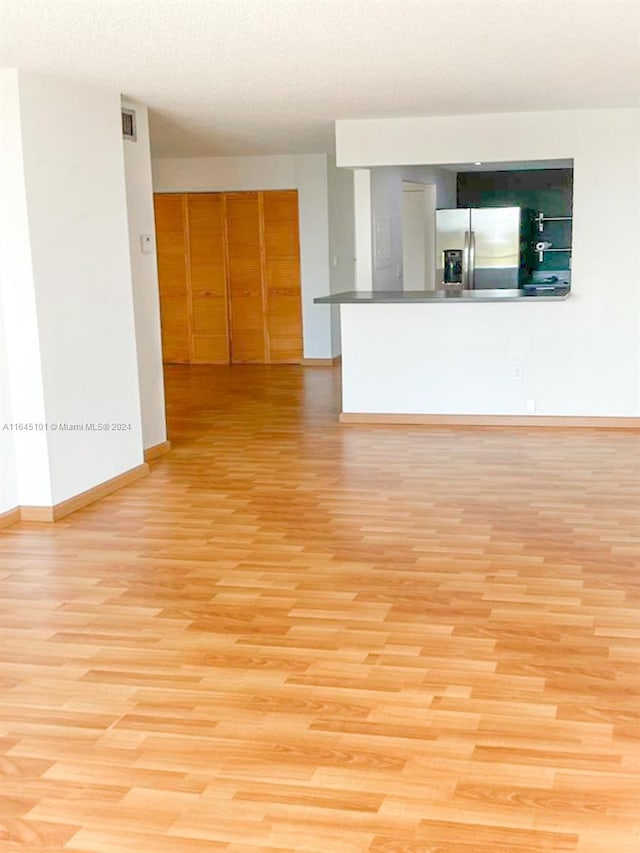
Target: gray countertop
{"x": 557, "y": 294}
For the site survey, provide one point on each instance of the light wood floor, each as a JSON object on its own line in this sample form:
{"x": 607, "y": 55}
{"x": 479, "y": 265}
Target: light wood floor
{"x": 300, "y": 636}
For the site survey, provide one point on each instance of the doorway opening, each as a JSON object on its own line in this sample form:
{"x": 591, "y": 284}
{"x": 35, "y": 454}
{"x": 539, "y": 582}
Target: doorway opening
{"x": 418, "y": 235}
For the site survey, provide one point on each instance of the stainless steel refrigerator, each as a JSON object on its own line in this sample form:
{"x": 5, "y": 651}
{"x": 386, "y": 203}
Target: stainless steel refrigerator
{"x": 483, "y": 247}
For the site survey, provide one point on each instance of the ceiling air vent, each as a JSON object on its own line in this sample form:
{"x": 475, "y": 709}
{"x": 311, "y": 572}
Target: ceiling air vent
{"x": 129, "y": 125}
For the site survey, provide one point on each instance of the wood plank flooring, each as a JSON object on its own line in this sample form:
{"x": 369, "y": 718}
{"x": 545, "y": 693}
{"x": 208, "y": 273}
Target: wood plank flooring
{"x": 300, "y": 636}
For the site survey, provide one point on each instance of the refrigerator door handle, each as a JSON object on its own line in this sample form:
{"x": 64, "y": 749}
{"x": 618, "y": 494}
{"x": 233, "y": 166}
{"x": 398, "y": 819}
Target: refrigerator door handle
{"x": 472, "y": 259}
{"x": 465, "y": 261}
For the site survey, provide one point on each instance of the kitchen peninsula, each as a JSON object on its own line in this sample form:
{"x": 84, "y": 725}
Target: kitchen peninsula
{"x": 551, "y": 358}
{"x": 447, "y": 356}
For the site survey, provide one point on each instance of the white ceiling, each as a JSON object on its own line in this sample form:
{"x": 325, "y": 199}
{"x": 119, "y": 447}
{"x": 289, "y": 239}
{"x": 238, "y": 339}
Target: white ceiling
{"x": 270, "y": 76}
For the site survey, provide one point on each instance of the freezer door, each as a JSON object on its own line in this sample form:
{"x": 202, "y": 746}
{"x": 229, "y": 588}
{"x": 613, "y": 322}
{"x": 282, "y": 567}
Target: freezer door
{"x": 495, "y": 247}
{"x": 453, "y": 239}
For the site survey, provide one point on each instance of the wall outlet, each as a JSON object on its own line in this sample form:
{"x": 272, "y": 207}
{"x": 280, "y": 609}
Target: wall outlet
{"x": 531, "y": 406}
{"x": 399, "y": 270}
{"x": 517, "y": 371}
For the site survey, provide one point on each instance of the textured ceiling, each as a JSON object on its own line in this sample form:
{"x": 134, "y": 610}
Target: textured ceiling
{"x": 270, "y": 76}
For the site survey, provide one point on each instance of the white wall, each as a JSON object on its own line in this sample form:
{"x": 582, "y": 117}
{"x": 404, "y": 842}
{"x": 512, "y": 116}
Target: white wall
{"x": 308, "y": 174}
{"x": 23, "y": 366}
{"x": 413, "y": 237}
{"x": 313, "y": 203}
{"x": 74, "y": 308}
{"x": 144, "y": 273}
{"x": 387, "y": 203}
{"x": 8, "y": 480}
{"x": 220, "y": 174}
{"x": 578, "y": 357}
{"x": 341, "y": 240}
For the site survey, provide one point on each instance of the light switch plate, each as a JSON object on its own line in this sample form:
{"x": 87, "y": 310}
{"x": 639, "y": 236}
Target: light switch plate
{"x": 146, "y": 244}
{"x": 382, "y": 242}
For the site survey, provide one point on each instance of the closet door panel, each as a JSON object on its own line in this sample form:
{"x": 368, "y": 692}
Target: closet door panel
{"x": 208, "y": 278}
{"x": 209, "y": 346}
{"x": 244, "y": 269}
{"x": 172, "y": 253}
{"x": 281, "y": 236}
{"x": 282, "y": 275}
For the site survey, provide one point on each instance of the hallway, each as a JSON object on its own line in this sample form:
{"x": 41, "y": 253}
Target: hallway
{"x": 300, "y": 636}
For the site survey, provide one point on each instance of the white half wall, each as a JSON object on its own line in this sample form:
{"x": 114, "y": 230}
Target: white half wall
{"x": 144, "y": 273}
{"x": 305, "y": 172}
{"x": 72, "y": 312}
{"x": 459, "y": 359}
{"x": 577, "y": 357}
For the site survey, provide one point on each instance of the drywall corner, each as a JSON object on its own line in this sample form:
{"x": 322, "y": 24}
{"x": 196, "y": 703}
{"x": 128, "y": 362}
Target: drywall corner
{"x": 144, "y": 275}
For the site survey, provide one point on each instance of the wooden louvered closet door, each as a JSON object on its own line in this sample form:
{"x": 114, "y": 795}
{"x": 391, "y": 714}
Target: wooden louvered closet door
{"x": 210, "y": 333}
{"x": 245, "y": 277}
{"x": 173, "y": 274}
{"x": 229, "y": 274}
{"x": 192, "y": 277}
{"x": 282, "y": 275}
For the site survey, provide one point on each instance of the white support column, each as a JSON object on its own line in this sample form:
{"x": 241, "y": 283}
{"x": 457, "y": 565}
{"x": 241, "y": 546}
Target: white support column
{"x": 362, "y": 229}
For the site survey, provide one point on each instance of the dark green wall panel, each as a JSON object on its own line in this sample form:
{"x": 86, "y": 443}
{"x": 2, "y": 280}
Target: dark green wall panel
{"x": 548, "y": 190}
